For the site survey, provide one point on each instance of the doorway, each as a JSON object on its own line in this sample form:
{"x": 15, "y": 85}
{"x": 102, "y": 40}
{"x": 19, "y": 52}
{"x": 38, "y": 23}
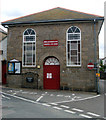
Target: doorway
{"x": 51, "y": 73}
{"x": 4, "y": 72}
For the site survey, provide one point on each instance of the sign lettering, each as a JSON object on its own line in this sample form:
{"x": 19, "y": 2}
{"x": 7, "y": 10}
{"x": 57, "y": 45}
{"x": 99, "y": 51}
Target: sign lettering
{"x": 50, "y": 43}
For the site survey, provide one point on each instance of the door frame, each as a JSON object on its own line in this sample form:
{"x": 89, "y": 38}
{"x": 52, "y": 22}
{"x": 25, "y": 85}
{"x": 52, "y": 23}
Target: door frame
{"x": 58, "y": 63}
{"x": 4, "y": 75}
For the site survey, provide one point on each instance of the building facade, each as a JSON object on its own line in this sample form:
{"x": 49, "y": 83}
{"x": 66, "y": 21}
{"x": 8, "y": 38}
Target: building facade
{"x": 54, "y": 48}
{"x": 3, "y": 55}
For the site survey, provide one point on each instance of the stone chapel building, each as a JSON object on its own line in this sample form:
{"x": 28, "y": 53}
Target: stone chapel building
{"x": 53, "y": 49}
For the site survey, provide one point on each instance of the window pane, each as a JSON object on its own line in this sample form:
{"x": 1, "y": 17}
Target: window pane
{"x": 29, "y": 46}
{"x": 74, "y": 60}
{"x": 29, "y": 31}
{"x": 32, "y": 32}
{"x": 33, "y": 58}
{"x": 73, "y": 52}
{"x": 26, "y": 32}
{"x": 24, "y": 59}
{"x": 29, "y": 59}
{"x": 29, "y": 38}
{"x": 73, "y": 28}
{"x": 74, "y": 45}
{"x": 70, "y": 31}
{"x": 33, "y": 46}
{"x": 73, "y": 36}
{"x": 79, "y": 57}
{"x": 77, "y": 31}
{"x": 69, "y": 61}
{"x": 78, "y": 47}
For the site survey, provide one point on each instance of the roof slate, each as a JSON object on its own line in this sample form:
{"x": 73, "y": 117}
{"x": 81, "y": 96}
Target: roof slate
{"x": 54, "y": 14}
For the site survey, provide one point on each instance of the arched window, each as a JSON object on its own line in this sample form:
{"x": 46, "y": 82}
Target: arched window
{"x": 73, "y": 46}
{"x": 29, "y": 48}
{"x": 52, "y": 61}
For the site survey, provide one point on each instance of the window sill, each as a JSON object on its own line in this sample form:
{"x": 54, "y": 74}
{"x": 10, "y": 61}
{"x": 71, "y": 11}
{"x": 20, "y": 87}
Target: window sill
{"x": 28, "y": 67}
{"x": 77, "y": 66}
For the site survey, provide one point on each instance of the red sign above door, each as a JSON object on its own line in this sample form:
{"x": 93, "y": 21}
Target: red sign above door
{"x": 50, "y": 43}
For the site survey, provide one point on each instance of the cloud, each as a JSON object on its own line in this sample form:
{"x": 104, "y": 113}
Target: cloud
{"x": 12, "y": 13}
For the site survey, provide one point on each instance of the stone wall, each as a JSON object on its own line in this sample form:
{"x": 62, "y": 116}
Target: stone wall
{"x": 76, "y": 78}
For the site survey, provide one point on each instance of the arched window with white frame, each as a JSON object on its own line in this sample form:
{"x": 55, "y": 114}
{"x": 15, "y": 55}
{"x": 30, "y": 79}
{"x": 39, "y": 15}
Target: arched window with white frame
{"x": 29, "y": 48}
{"x": 73, "y": 46}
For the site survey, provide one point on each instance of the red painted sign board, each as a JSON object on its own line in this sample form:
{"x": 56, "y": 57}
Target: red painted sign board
{"x": 90, "y": 66}
{"x": 50, "y": 43}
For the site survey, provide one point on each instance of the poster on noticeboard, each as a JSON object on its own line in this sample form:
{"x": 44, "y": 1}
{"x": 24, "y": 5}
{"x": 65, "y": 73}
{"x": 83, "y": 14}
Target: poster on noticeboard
{"x": 10, "y": 67}
{"x": 14, "y": 68}
{"x": 17, "y": 68}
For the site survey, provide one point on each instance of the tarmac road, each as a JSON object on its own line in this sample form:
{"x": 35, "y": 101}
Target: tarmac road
{"x": 17, "y": 108}
{"x": 51, "y": 104}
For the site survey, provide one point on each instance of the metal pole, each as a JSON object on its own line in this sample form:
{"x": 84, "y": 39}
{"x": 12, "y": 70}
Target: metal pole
{"x": 95, "y": 57}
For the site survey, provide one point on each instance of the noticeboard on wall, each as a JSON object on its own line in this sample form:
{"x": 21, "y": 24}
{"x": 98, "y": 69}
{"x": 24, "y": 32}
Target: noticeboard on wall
{"x": 14, "y": 67}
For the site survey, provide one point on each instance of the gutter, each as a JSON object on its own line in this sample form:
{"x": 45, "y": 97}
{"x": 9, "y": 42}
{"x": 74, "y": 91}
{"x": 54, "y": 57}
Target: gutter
{"x": 101, "y": 26}
{"x": 49, "y": 21}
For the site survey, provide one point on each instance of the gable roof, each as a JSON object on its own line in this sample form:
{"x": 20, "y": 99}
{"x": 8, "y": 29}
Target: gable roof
{"x": 52, "y": 14}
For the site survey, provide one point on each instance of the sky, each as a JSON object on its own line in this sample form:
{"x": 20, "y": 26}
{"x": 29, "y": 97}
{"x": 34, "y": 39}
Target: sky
{"x": 15, "y": 8}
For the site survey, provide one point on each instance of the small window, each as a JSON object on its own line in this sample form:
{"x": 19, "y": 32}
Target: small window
{"x": 29, "y": 48}
{"x": 73, "y": 46}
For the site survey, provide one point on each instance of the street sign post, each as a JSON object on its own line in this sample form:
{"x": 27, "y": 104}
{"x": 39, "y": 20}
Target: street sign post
{"x": 90, "y": 66}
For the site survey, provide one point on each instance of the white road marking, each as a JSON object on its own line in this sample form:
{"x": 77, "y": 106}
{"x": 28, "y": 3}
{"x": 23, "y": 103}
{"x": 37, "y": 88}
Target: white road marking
{"x": 53, "y": 104}
{"x": 104, "y": 117}
{"x": 69, "y": 111}
{"x": 96, "y": 115}
{"x": 57, "y": 108}
{"x": 67, "y": 96}
{"x": 10, "y": 91}
{"x": 16, "y": 91}
{"x": 51, "y": 95}
{"x": 74, "y": 97}
{"x": 46, "y": 105}
{"x": 27, "y": 100}
{"x": 6, "y": 97}
{"x": 24, "y": 92}
{"x": 86, "y": 116}
{"x": 64, "y": 106}
{"x": 39, "y": 98}
{"x": 73, "y": 94}
{"x": 60, "y": 95}
{"x": 82, "y": 99}
{"x": 31, "y": 93}
{"x": 78, "y": 97}
{"x": 78, "y": 110}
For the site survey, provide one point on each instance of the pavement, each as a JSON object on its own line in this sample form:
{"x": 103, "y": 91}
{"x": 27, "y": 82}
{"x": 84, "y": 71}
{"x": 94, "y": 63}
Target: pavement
{"x": 102, "y": 86}
{"x": 49, "y": 96}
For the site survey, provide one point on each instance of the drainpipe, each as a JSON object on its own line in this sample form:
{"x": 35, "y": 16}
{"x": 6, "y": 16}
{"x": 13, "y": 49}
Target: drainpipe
{"x": 95, "y": 58}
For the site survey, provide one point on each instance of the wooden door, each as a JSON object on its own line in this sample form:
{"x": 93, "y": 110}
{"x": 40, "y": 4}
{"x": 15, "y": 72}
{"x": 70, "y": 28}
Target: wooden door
{"x": 51, "y": 73}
